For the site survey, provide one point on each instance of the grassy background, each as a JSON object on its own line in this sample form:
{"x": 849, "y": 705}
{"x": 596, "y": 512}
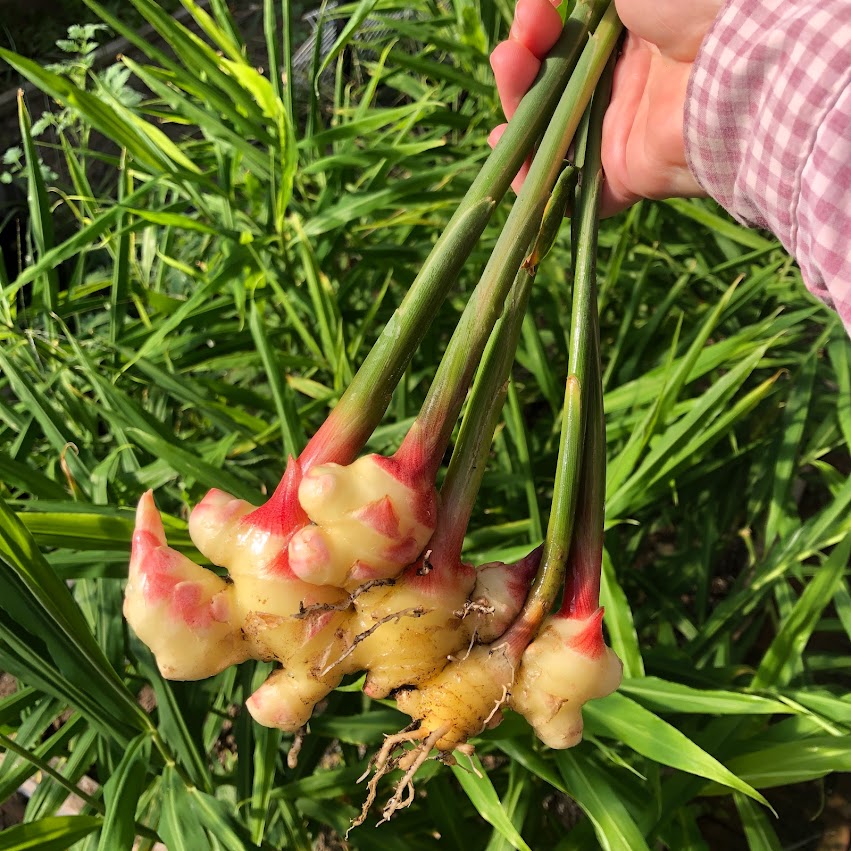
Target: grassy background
{"x": 168, "y": 338}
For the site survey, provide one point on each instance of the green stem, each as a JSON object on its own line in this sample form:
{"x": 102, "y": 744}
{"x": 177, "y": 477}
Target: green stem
{"x": 440, "y": 410}
{"x": 585, "y": 560}
{"x": 469, "y": 457}
{"x": 365, "y": 401}
{"x": 579, "y": 395}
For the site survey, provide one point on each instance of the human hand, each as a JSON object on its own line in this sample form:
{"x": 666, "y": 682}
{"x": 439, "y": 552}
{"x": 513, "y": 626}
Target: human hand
{"x": 643, "y": 148}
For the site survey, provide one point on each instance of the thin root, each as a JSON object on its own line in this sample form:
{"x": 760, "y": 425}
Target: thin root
{"x": 378, "y": 760}
{"x": 470, "y": 646}
{"x": 474, "y": 606}
{"x": 468, "y": 751}
{"x": 321, "y": 608}
{"x": 415, "y": 612}
{"x": 295, "y": 747}
{"x": 497, "y": 705}
{"x": 383, "y": 762}
{"x": 404, "y": 794}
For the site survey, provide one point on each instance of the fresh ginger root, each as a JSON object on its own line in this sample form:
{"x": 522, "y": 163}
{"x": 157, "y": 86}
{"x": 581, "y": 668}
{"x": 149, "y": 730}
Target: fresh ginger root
{"x": 198, "y": 623}
{"x": 420, "y": 633}
{"x": 370, "y": 521}
{"x": 183, "y": 612}
{"x": 566, "y": 665}
{"x": 562, "y": 669}
{"x": 463, "y": 699}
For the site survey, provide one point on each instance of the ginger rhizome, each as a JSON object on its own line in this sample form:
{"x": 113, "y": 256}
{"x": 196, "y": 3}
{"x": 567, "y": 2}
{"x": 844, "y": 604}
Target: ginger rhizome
{"x": 354, "y": 564}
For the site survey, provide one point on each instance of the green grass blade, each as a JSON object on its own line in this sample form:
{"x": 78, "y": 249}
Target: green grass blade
{"x": 825, "y": 528}
{"x": 840, "y": 359}
{"x": 17, "y": 474}
{"x": 513, "y": 416}
{"x": 677, "y": 442}
{"x": 624, "y": 720}
{"x": 759, "y": 833}
{"x": 220, "y": 31}
{"x": 515, "y": 802}
{"x": 789, "y": 437}
{"x": 190, "y": 466}
{"x": 267, "y": 743}
{"x": 173, "y": 726}
{"x": 664, "y": 696}
{"x": 45, "y": 410}
{"x": 619, "y": 622}
{"x": 783, "y": 657}
{"x": 589, "y": 787}
{"x": 41, "y": 218}
{"x": 65, "y": 525}
{"x": 720, "y": 225}
{"x": 532, "y": 760}
{"x": 119, "y": 292}
{"x": 291, "y": 427}
{"x": 56, "y": 833}
{"x": 180, "y": 826}
{"x": 218, "y": 817}
{"x": 42, "y": 604}
{"x": 482, "y": 795}
{"x": 147, "y": 144}
{"x": 121, "y": 794}
{"x": 83, "y": 240}
{"x": 37, "y": 752}
{"x": 164, "y": 85}
{"x": 793, "y": 762}
{"x": 198, "y": 300}
{"x": 49, "y": 797}
{"x": 659, "y": 413}
{"x": 358, "y": 16}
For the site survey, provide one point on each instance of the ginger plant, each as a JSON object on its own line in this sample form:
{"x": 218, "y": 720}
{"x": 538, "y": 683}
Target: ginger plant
{"x": 544, "y": 666}
{"x": 354, "y": 564}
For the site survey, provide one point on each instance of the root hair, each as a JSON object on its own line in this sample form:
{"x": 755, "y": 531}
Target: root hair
{"x": 295, "y": 747}
{"x": 415, "y": 612}
{"x": 322, "y": 608}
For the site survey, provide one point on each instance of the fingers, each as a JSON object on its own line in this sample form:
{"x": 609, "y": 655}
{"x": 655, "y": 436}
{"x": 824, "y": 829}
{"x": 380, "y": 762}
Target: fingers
{"x": 516, "y": 62}
{"x": 643, "y": 147}
{"x": 495, "y": 136}
{"x": 515, "y": 69}
{"x": 630, "y": 79}
{"x": 537, "y": 26}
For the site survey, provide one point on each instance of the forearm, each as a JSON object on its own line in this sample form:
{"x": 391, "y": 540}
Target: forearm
{"x": 768, "y": 129}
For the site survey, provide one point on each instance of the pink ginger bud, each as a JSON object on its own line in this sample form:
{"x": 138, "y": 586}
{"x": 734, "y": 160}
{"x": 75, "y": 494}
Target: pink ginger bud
{"x": 182, "y": 611}
{"x": 213, "y": 521}
{"x": 247, "y": 540}
{"x": 287, "y": 698}
{"x": 371, "y": 521}
{"x": 566, "y": 665}
{"x": 500, "y": 592}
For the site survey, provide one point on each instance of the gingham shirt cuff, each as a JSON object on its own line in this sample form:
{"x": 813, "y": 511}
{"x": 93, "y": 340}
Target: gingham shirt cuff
{"x": 768, "y": 130}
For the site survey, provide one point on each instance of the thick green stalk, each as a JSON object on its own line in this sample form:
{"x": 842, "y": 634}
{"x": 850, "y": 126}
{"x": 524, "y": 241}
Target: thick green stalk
{"x": 585, "y": 560}
{"x": 579, "y": 399}
{"x": 446, "y": 395}
{"x": 364, "y": 403}
{"x": 470, "y": 454}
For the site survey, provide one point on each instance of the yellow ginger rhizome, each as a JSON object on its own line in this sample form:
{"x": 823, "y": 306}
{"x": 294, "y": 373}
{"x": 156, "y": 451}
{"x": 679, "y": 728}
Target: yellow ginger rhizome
{"x": 354, "y": 564}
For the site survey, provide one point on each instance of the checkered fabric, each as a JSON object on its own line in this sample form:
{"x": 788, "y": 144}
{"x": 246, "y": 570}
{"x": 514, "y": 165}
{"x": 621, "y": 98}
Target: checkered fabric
{"x": 768, "y": 130}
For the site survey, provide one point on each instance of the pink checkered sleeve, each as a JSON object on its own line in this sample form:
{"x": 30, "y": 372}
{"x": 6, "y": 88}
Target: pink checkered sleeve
{"x": 768, "y": 130}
